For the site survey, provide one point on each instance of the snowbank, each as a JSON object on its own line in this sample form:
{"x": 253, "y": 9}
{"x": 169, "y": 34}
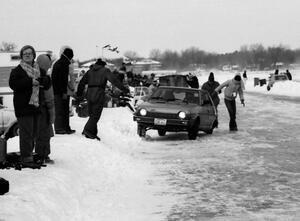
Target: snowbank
{"x": 90, "y": 180}
{"x": 283, "y": 88}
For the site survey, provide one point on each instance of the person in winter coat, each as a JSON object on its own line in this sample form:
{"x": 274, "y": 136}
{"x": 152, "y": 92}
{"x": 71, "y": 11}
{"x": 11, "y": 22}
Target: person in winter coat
{"x": 210, "y": 86}
{"x": 192, "y": 81}
{"x": 27, "y": 81}
{"x": 96, "y": 79}
{"x": 60, "y": 79}
{"x": 232, "y": 88}
{"x": 42, "y": 148}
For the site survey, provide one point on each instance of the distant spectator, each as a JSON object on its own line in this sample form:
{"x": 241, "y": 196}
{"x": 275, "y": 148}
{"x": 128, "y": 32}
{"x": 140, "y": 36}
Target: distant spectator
{"x": 288, "y": 74}
{"x": 245, "y": 75}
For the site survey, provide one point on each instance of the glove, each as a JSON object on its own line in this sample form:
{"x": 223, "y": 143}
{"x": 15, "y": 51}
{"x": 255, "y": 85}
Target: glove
{"x": 243, "y": 102}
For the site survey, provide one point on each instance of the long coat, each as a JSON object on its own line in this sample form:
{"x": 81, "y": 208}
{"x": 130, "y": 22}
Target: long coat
{"x": 210, "y": 86}
{"x": 21, "y": 84}
{"x": 60, "y": 75}
{"x": 96, "y": 79}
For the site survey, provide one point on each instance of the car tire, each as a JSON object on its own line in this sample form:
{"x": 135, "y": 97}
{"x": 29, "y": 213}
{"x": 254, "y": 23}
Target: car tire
{"x": 210, "y": 131}
{"x": 141, "y": 131}
{"x": 193, "y": 131}
{"x": 161, "y": 132}
{"x": 15, "y": 130}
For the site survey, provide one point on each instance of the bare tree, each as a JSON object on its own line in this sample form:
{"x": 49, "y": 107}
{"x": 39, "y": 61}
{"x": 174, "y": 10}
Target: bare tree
{"x": 131, "y": 55}
{"x": 8, "y": 46}
{"x": 155, "y": 54}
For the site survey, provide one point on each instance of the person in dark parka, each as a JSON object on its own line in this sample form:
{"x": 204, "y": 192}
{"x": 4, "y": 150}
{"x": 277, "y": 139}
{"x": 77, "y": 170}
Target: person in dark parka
{"x": 96, "y": 79}
{"x": 210, "y": 86}
{"x": 60, "y": 78}
{"x": 192, "y": 81}
{"x": 27, "y": 82}
{"x": 42, "y": 147}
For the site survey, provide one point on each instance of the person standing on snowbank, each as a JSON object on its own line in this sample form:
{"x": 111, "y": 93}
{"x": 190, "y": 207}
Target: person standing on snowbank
{"x": 60, "y": 79}
{"x": 42, "y": 147}
{"x": 232, "y": 88}
{"x": 96, "y": 78}
{"x": 27, "y": 83}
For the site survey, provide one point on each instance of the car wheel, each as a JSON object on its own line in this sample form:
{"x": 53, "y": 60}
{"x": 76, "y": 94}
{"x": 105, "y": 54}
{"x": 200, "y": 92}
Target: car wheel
{"x": 210, "y": 131}
{"x": 15, "y": 130}
{"x": 141, "y": 131}
{"x": 193, "y": 131}
{"x": 161, "y": 132}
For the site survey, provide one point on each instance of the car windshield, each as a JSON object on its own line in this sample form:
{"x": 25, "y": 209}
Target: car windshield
{"x": 176, "y": 95}
{"x": 141, "y": 91}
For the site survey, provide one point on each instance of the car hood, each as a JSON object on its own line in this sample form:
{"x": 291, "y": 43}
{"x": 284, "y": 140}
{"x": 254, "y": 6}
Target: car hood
{"x": 167, "y": 107}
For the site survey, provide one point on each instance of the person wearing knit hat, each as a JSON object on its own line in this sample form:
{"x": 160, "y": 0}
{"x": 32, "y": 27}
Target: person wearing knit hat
{"x": 232, "y": 88}
{"x": 42, "y": 147}
{"x": 210, "y": 86}
{"x": 96, "y": 79}
{"x": 60, "y": 80}
{"x": 27, "y": 81}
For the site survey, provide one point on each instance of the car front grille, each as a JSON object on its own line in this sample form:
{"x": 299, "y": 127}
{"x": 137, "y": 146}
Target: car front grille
{"x": 162, "y": 115}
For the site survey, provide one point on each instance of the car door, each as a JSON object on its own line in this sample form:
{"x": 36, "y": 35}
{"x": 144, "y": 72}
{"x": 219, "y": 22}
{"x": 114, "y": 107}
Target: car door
{"x": 207, "y": 110}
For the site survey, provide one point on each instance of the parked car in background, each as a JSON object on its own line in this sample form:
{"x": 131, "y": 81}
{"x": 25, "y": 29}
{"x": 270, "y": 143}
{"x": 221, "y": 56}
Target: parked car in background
{"x": 8, "y": 122}
{"x": 176, "y": 109}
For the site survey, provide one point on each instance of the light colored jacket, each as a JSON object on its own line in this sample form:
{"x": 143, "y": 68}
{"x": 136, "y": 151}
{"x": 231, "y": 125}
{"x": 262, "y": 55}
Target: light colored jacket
{"x": 233, "y": 88}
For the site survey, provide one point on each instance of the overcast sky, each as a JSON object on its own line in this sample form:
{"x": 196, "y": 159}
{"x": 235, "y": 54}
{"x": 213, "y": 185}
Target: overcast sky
{"x": 142, "y": 25}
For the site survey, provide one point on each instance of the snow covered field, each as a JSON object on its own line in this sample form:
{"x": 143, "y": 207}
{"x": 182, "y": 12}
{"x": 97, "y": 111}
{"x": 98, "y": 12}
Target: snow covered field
{"x": 124, "y": 178}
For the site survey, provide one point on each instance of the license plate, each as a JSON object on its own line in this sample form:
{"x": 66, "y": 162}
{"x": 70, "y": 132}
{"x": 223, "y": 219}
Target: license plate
{"x": 158, "y": 121}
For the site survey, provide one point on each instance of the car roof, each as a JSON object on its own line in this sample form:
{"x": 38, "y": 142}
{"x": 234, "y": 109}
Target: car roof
{"x": 182, "y": 88}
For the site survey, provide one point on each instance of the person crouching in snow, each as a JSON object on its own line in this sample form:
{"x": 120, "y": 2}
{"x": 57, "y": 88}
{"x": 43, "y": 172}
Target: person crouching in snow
{"x": 42, "y": 147}
{"x": 96, "y": 79}
{"x": 232, "y": 88}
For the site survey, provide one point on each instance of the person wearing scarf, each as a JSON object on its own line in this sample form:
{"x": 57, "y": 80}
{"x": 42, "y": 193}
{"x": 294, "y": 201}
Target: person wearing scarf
{"x": 26, "y": 82}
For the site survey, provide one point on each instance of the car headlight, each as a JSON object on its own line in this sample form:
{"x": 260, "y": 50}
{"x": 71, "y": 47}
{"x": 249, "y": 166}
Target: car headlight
{"x": 143, "y": 112}
{"x": 182, "y": 115}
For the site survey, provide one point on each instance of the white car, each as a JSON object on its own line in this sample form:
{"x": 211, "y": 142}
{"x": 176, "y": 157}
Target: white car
{"x": 8, "y": 122}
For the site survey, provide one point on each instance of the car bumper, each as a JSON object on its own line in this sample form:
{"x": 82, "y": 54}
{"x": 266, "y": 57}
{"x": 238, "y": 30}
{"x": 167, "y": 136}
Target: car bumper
{"x": 170, "y": 125}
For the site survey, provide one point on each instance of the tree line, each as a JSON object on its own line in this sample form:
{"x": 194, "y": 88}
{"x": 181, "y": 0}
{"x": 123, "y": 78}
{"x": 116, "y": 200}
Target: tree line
{"x": 254, "y": 56}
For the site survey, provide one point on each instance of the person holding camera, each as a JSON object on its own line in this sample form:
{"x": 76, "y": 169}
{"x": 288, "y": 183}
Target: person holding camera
{"x": 27, "y": 81}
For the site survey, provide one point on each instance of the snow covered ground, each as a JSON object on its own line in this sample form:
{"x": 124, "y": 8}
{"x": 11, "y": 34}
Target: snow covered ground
{"x": 117, "y": 179}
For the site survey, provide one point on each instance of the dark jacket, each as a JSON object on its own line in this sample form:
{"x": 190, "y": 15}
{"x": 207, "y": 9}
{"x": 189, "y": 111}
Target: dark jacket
{"x": 210, "y": 86}
{"x": 21, "y": 84}
{"x": 193, "y": 82}
{"x": 96, "y": 79}
{"x": 60, "y": 73}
